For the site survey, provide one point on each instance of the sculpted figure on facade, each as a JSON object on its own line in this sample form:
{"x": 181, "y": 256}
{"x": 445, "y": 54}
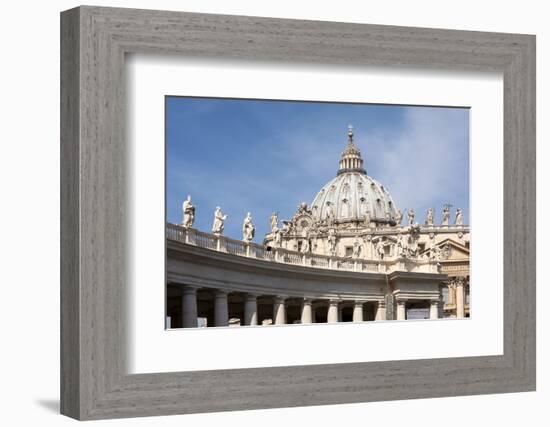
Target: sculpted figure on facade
{"x": 356, "y": 248}
{"x": 380, "y": 249}
{"x": 445, "y": 215}
{"x": 219, "y": 218}
{"x": 430, "y": 217}
{"x": 302, "y": 208}
{"x": 287, "y": 227}
{"x": 330, "y": 215}
{"x": 367, "y": 218}
{"x": 274, "y": 221}
{"x": 410, "y": 216}
{"x": 400, "y": 248}
{"x": 458, "y": 216}
{"x": 278, "y": 238}
{"x": 188, "y": 213}
{"x": 305, "y": 245}
{"x": 248, "y": 228}
{"x": 398, "y": 217}
{"x": 332, "y": 241}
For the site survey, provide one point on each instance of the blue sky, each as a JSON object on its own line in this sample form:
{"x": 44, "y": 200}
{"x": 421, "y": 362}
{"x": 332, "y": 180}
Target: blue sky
{"x": 263, "y": 156}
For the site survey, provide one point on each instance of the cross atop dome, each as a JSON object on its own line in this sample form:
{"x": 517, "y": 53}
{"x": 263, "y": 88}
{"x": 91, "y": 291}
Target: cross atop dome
{"x": 351, "y": 160}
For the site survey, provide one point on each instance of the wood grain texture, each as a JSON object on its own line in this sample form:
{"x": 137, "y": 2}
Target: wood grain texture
{"x": 94, "y": 383}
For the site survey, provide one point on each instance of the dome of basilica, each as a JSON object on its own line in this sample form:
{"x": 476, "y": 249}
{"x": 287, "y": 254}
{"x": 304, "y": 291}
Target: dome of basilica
{"x": 353, "y": 195}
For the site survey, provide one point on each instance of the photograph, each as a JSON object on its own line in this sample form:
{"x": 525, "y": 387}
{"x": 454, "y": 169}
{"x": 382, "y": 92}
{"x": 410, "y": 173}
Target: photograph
{"x": 299, "y": 212}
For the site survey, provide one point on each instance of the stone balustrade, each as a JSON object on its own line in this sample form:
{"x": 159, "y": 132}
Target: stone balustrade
{"x": 226, "y": 244}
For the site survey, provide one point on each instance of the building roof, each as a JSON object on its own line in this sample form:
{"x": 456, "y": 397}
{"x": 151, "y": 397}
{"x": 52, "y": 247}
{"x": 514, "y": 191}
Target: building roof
{"x": 353, "y": 195}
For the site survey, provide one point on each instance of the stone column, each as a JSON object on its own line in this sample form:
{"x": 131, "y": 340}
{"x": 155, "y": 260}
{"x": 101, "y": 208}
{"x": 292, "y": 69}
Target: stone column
{"x": 221, "y": 310}
{"x": 279, "y": 311}
{"x": 332, "y": 315}
{"x": 358, "y": 311}
{"x": 460, "y": 298}
{"x": 307, "y": 313}
{"x": 381, "y": 310}
{"x": 189, "y": 307}
{"x": 434, "y": 309}
{"x": 250, "y": 310}
{"x": 401, "y": 310}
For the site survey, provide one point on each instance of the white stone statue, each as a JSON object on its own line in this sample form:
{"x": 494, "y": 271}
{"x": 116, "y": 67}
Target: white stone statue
{"x": 305, "y": 246}
{"x": 458, "y": 216}
{"x": 400, "y": 247}
{"x": 430, "y": 217}
{"x": 399, "y": 217}
{"x": 274, "y": 222}
{"x": 380, "y": 249}
{"x": 410, "y": 216}
{"x": 367, "y": 218}
{"x": 332, "y": 241}
{"x": 287, "y": 225}
{"x": 248, "y": 228}
{"x": 219, "y": 218}
{"x": 434, "y": 252}
{"x": 446, "y": 215}
{"x": 278, "y": 238}
{"x": 356, "y": 248}
{"x": 329, "y": 214}
{"x": 188, "y": 213}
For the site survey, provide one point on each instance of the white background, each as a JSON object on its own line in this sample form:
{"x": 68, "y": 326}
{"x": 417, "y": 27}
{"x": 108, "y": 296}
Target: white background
{"x": 152, "y": 349}
{"x": 29, "y": 168}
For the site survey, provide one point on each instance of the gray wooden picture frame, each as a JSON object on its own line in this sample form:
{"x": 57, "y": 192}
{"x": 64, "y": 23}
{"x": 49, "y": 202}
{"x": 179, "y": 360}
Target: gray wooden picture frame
{"x": 94, "y": 41}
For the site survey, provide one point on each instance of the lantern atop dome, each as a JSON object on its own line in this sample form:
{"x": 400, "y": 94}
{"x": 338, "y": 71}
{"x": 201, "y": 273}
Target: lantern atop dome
{"x": 351, "y": 160}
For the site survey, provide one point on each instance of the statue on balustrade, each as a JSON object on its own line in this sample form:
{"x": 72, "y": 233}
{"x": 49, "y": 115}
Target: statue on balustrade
{"x": 458, "y": 216}
{"x": 430, "y": 217}
{"x": 188, "y": 213}
{"x": 219, "y": 218}
{"x": 248, "y": 228}
{"x": 274, "y": 222}
{"x": 398, "y": 217}
{"x": 446, "y": 215}
{"x": 410, "y": 216}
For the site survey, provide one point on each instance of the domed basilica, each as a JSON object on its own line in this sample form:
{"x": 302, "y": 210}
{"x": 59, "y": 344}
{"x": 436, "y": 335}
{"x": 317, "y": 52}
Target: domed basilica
{"x": 347, "y": 256}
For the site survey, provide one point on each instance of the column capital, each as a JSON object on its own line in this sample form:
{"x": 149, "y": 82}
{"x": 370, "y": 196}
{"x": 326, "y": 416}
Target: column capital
{"x": 221, "y": 293}
{"x": 190, "y": 289}
{"x": 401, "y": 301}
{"x": 250, "y": 296}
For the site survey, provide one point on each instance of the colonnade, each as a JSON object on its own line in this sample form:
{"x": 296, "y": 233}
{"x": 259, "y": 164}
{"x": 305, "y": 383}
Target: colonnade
{"x": 307, "y": 314}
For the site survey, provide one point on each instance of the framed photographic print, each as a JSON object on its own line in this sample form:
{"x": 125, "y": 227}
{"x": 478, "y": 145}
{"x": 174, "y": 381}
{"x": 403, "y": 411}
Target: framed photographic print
{"x": 286, "y": 213}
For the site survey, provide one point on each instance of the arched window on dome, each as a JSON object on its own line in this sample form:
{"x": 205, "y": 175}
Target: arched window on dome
{"x": 362, "y": 206}
{"x": 345, "y": 213}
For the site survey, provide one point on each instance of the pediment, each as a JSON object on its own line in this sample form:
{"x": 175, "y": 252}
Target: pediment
{"x": 451, "y": 250}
